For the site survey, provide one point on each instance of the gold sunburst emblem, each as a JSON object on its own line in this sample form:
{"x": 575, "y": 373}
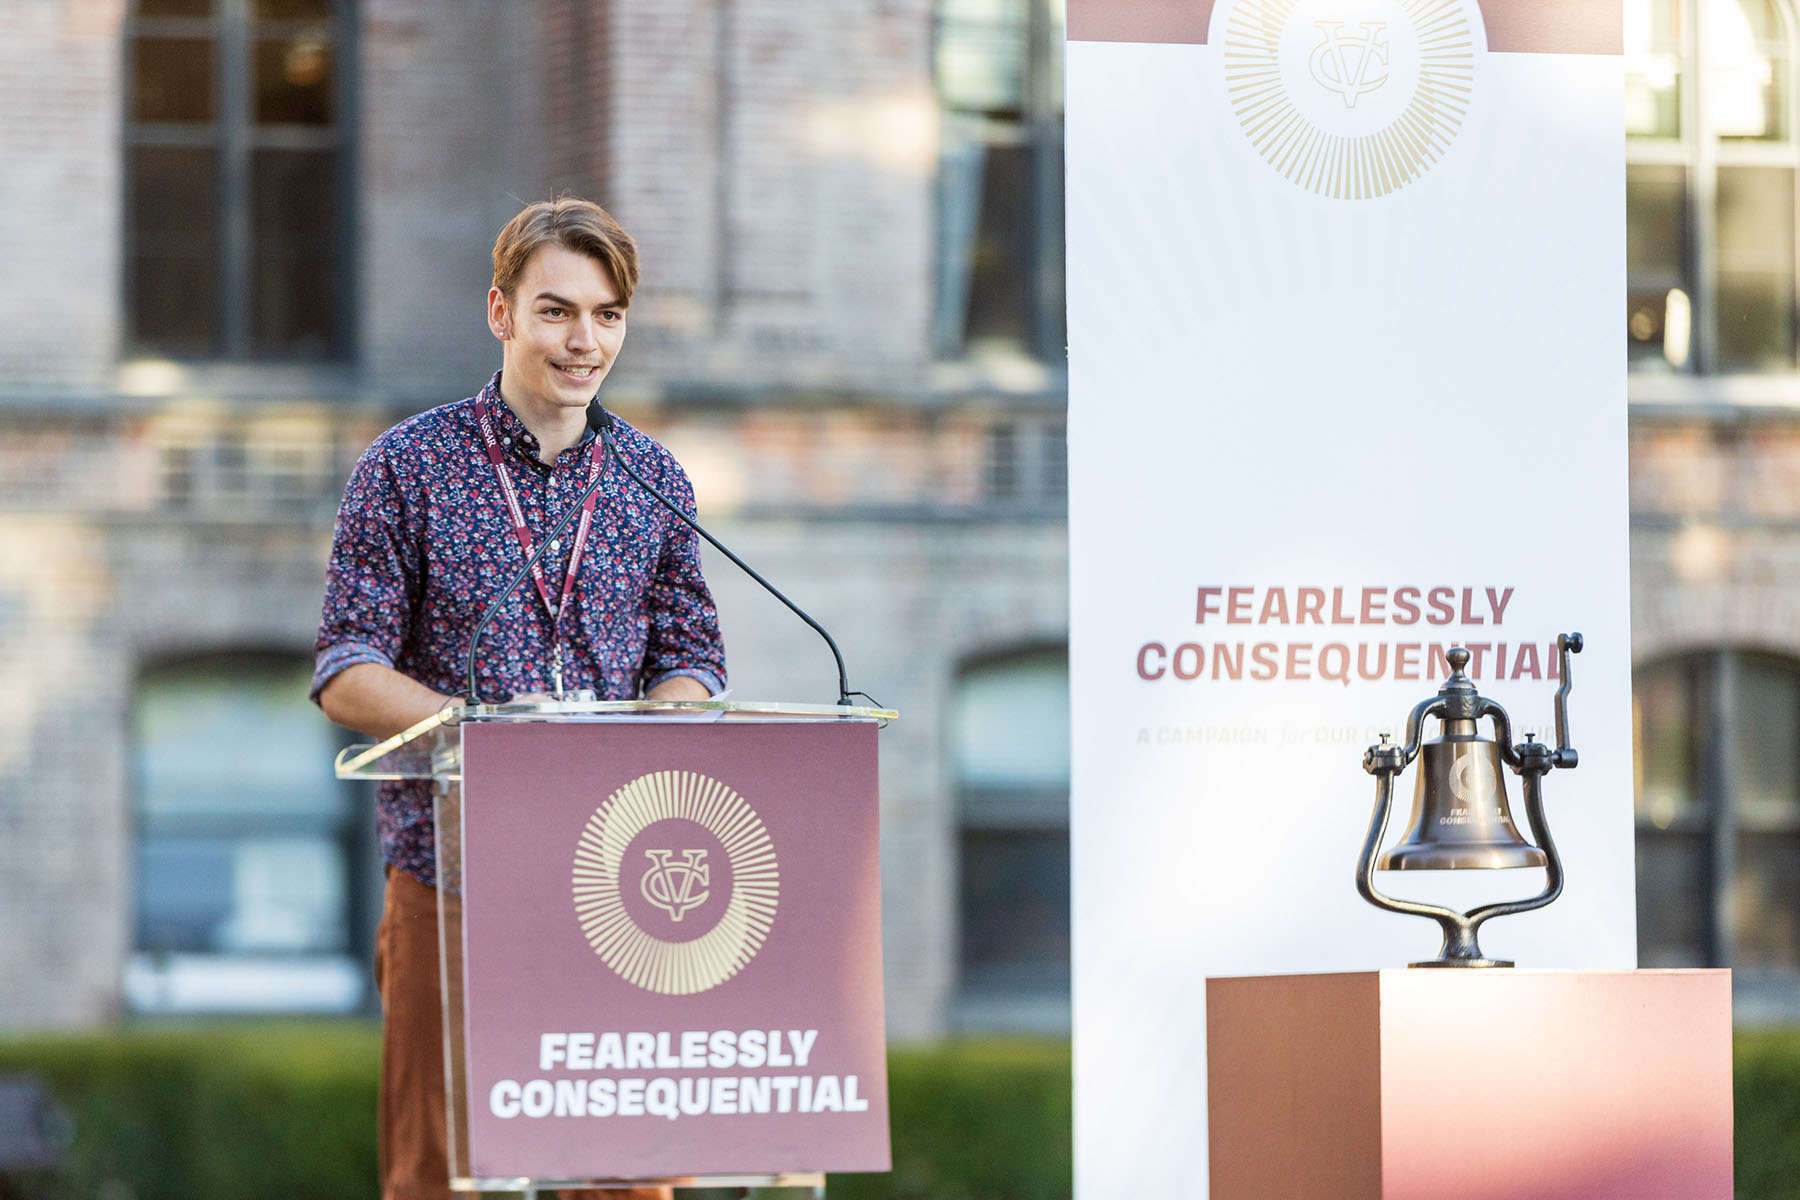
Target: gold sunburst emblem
{"x": 675, "y": 968}
{"x": 1351, "y": 99}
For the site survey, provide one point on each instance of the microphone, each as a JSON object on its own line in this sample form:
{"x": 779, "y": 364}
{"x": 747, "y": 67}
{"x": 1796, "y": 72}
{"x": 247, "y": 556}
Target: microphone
{"x": 602, "y": 423}
{"x": 598, "y": 419}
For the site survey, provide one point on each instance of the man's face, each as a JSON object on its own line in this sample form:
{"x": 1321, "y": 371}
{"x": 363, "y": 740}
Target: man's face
{"x": 560, "y": 331}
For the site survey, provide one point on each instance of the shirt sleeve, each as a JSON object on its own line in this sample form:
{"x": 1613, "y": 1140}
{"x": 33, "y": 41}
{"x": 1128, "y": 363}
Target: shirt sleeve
{"x": 684, "y": 622}
{"x": 373, "y": 577}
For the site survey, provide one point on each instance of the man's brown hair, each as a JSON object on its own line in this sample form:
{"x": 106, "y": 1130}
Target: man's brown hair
{"x": 577, "y": 224}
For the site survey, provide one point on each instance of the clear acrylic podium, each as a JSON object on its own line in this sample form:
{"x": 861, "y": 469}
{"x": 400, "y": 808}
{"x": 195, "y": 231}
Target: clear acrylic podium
{"x": 535, "y": 773}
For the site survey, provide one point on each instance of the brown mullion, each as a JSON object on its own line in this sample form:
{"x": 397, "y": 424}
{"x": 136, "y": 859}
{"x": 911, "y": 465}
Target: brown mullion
{"x": 232, "y": 82}
{"x": 344, "y": 120}
{"x": 292, "y": 137}
{"x": 183, "y": 136}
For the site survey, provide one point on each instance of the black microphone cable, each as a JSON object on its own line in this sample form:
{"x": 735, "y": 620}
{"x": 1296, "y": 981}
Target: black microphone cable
{"x": 602, "y": 422}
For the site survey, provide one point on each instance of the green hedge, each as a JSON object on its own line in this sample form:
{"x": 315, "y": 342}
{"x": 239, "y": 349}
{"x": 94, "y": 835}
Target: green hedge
{"x": 1766, "y": 1082}
{"x": 974, "y": 1121}
{"x": 244, "y": 1112}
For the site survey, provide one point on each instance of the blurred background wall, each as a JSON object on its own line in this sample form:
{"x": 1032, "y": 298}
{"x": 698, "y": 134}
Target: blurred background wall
{"x": 241, "y": 237}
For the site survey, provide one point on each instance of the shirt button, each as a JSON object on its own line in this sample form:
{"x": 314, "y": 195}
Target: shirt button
{"x": 556, "y": 545}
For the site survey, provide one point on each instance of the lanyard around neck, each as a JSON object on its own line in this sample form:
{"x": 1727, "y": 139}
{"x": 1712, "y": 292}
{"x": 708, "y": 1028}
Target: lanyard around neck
{"x": 497, "y": 457}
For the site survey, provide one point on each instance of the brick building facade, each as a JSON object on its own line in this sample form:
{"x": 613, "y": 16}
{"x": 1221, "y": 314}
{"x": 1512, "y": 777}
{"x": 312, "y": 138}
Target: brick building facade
{"x": 167, "y": 511}
{"x": 849, "y": 331}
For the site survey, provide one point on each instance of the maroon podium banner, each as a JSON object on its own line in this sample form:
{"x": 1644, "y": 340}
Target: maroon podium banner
{"x": 672, "y": 949}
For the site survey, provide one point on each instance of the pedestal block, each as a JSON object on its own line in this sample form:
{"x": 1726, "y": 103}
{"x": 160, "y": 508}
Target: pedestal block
{"x": 1471, "y": 1085}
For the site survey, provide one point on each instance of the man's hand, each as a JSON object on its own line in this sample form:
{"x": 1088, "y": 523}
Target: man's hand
{"x": 378, "y": 701}
{"x": 679, "y": 687}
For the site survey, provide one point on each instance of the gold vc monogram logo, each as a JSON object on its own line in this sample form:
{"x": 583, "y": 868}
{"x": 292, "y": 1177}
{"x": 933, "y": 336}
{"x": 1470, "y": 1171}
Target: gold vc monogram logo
{"x": 1350, "y": 65}
{"x": 676, "y": 887}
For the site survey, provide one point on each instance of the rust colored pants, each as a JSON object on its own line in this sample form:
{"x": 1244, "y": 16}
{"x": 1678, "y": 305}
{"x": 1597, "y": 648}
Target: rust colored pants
{"x": 414, "y": 1158}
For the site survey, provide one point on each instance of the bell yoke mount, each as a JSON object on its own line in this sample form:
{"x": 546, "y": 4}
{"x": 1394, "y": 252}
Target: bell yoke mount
{"x": 1460, "y": 816}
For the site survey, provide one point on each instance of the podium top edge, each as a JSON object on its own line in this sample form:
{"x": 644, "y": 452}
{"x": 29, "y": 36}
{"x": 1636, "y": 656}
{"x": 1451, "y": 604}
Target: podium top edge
{"x": 560, "y": 708}
{"x": 358, "y": 761}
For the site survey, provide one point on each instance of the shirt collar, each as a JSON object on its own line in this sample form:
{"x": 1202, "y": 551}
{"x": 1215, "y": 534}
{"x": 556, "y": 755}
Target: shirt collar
{"x": 510, "y": 429}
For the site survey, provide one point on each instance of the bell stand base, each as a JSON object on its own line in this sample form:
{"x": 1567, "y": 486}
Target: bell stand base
{"x": 1387, "y": 1085}
{"x": 1454, "y": 963}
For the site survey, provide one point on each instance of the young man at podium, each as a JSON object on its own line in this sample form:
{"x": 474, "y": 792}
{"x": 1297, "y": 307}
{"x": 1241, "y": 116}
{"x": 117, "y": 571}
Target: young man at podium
{"x": 439, "y": 511}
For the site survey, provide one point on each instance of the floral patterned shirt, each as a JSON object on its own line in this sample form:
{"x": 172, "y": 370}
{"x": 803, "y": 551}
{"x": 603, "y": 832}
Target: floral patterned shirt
{"x": 424, "y": 544}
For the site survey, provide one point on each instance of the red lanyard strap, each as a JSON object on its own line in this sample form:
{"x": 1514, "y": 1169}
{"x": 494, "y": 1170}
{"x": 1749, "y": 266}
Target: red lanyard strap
{"x": 596, "y": 463}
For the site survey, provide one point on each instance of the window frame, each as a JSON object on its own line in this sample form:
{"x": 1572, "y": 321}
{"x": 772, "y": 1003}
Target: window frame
{"x": 1700, "y": 151}
{"x": 1037, "y": 130}
{"x": 1009, "y": 997}
{"x": 1710, "y": 679}
{"x": 233, "y": 29}
{"x": 162, "y": 981}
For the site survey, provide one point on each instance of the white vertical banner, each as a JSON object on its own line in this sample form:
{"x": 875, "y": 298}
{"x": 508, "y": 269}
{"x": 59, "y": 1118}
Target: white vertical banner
{"x": 1347, "y": 389}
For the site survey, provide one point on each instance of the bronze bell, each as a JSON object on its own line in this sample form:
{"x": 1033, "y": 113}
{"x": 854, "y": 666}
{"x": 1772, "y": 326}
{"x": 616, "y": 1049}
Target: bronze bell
{"x": 1460, "y": 816}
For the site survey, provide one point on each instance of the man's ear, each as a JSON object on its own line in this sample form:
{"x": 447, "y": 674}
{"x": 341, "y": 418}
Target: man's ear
{"x": 499, "y": 319}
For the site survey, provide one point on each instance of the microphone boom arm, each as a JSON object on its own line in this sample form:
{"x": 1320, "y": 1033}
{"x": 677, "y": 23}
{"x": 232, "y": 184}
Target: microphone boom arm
{"x": 843, "y": 677}
{"x": 601, "y": 422}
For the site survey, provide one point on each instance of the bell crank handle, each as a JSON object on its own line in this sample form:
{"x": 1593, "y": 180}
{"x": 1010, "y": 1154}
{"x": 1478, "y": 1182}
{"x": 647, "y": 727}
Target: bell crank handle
{"x": 1566, "y": 644}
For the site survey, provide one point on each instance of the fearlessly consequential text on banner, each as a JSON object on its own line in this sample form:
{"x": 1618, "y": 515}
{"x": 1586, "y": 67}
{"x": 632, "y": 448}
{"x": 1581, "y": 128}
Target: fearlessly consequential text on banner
{"x": 1340, "y": 659}
{"x": 671, "y": 1096}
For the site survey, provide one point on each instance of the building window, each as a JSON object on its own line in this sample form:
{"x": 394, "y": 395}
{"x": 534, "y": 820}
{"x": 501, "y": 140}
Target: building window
{"x": 1710, "y": 185}
{"x": 1718, "y": 821}
{"x": 1025, "y": 464}
{"x": 1000, "y": 224}
{"x": 1009, "y": 731}
{"x": 249, "y": 854}
{"x": 235, "y": 179}
{"x": 283, "y": 466}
